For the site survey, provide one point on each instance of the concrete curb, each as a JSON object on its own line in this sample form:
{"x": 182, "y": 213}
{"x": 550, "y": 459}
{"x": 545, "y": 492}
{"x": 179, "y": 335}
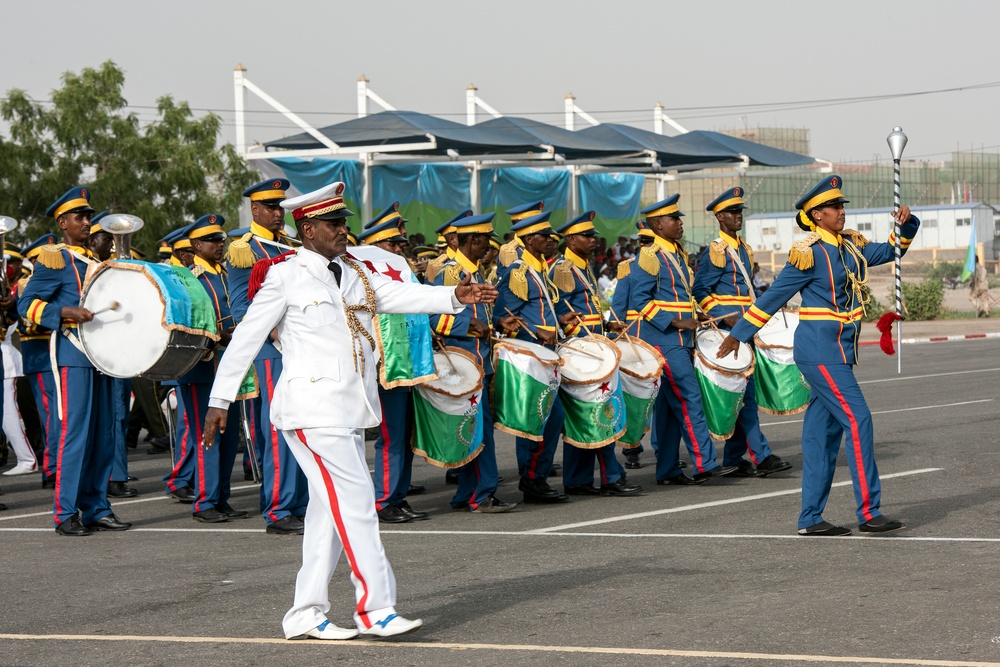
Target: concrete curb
{"x": 935, "y": 339}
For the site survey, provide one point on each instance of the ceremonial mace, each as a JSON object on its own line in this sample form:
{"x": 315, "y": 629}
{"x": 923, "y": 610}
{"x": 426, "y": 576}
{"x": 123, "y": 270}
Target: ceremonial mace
{"x": 897, "y": 142}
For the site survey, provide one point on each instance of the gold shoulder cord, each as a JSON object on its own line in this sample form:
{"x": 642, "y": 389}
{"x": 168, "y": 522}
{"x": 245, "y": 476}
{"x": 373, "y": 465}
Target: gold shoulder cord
{"x": 856, "y": 286}
{"x": 354, "y": 324}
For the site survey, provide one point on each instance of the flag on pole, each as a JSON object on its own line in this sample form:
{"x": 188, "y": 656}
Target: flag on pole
{"x": 970, "y": 255}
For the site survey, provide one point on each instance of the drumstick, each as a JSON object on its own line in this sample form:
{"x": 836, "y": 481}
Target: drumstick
{"x": 440, "y": 346}
{"x": 522, "y": 323}
{"x": 584, "y": 327}
{"x": 579, "y": 351}
{"x": 112, "y": 306}
{"x": 628, "y": 338}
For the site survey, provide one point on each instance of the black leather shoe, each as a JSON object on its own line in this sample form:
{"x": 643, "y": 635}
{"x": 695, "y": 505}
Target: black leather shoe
{"x": 556, "y": 470}
{"x": 771, "y": 464}
{"x": 632, "y": 460}
{"x": 414, "y": 514}
{"x": 879, "y": 524}
{"x": 225, "y": 508}
{"x": 494, "y": 505}
{"x": 110, "y": 522}
{"x": 288, "y": 525}
{"x": 131, "y": 478}
{"x": 824, "y": 529}
{"x": 621, "y": 488}
{"x": 745, "y": 469}
{"x": 581, "y": 490}
{"x": 48, "y": 482}
{"x": 682, "y": 464}
{"x": 538, "y": 491}
{"x": 121, "y": 490}
{"x": 248, "y": 475}
{"x": 72, "y": 527}
{"x": 211, "y": 515}
{"x": 185, "y": 494}
{"x": 451, "y": 476}
{"x": 680, "y": 480}
{"x": 415, "y": 490}
{"x": 159, "y": 445}
{"x": 718, "y": 471}
{"x": 394, "y": 514}
{"x": 2, "y": 507}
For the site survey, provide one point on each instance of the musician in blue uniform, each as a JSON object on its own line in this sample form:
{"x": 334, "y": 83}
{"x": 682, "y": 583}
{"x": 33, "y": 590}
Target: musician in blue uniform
{"x": 661, "y": 294}
{"x": 577, "y": 285}
{"x": 620, "y": 313}
{"x": 448, "y": 245}
{"x": 101, "y": 244}
{"x": 723, "y": 288}
{"x": 509, "y": 252}
{"x": 37, "y": 367}
{"x": 284, "y": 490}
{"x": 829, "y": 268}
{"x": 213, "y": 466}
{"x": 393, "y": 453}
{"x": 471, "y": 330}
{"x": 52, "y": 299}
{"x": 526, "y": 290}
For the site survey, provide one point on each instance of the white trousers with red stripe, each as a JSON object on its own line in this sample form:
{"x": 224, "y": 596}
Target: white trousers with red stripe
{"x": 340, "y": 517}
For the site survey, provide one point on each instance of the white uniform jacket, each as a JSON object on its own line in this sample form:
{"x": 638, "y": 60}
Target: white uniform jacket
{"x": 319, "y": 386}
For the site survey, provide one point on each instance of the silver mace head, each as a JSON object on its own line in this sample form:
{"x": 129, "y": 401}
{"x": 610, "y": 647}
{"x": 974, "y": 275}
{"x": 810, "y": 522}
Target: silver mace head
{"x": 897, "y": 142}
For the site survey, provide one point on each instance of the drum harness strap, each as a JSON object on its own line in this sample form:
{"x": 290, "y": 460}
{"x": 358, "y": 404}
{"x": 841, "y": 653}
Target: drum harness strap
{"x": 739, "y": 264}
{"x": 545, "y": 291}
{"x": 56, "y": 378}
{"x": 685, "y": 276}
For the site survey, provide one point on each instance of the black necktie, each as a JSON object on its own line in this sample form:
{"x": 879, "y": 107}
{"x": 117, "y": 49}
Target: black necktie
{"x": 333, "y": 266}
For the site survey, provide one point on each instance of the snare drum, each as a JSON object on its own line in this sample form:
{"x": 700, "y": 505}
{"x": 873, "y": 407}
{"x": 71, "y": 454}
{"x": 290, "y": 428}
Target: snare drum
{"x": 448, "y": 411}
{"x": 150, "y": 320}
{"x": 722, "y": 381}
{"x": 780, "y": 387}
{"x": 525, "y": 381}
{"x": 591, "y": 392}
{"x": 641, "y": 367}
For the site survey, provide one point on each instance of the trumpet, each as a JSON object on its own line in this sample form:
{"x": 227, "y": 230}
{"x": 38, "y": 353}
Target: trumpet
{"x": 7, "y": 224}
{"x": 122, "y": 226}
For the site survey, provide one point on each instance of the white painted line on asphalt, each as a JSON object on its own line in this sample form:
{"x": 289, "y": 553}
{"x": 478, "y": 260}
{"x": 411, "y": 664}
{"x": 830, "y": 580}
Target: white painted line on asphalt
{"x": 527, "y": 648}
{"x": 714, "y": 503}
{"x": 889, "y": 412}
{"x": 933, "y": 375}
{"x": 120, "y": 503}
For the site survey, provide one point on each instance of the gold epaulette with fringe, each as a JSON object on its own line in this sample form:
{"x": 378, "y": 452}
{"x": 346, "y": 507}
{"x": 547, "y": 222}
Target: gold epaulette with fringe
{"x": 801, "y": 254}
{"x": 717, "y": 253}
{"x": 51, "y": 256}
{"x": 562, "y": 277}
{"x": 240, "y": 255}
{"x": 519, "y": 282}
{"x": 857, "y": 237}
{"x": 624, "y": 268}
{"x": 21, "y": 284}
{"x": 648, "y": 261}
{"x": 434, "y": 267}
{"x": 452, "y": 275}
{"x": 508, "y": 253}
{"x": 197, "y": 270}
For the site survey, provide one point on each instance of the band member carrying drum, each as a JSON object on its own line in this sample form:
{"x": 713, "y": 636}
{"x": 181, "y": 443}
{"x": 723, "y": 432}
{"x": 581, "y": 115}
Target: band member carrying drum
{"x": 723, "y": 288}
{"x": 829, "y": 268}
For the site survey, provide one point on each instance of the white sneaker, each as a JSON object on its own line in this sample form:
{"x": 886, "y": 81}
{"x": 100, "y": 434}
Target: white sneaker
{"x": 327, "y": 630}
{"x": 393, "y": 625}
{"x": 22, "y": 469}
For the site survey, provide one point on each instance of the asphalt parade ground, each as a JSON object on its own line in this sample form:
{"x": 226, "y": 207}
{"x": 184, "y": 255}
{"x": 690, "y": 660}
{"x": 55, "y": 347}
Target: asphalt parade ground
{"x": 699, "y": 576}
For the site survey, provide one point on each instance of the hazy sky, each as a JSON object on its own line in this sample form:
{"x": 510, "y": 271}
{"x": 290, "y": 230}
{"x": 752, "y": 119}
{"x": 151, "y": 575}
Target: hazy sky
{"x": 710, "y": 63}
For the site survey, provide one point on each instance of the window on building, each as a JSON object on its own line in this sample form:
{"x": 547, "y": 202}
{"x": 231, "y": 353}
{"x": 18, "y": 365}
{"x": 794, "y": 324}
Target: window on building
{"x": 963, "y": 222}
{"x": 769, "y": 230}
{"x": 928, "y": 223}
{"x": 864, "y": 226}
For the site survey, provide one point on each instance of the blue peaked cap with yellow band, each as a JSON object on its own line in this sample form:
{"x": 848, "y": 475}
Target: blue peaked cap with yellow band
{"x": 730, "y": 199}
{"x": 536, "y": 224}
{"x": 237, "y": 233}
{"x": 271, "y": 191}
{"x": 389, "y": 214}
{"x": 525, "y": 211}
{"x": 473, "y": 224}
{"x": 178, "y": 239}
{"x": 387, "y": 230}
{"x": 668, "y": 206}
{"x": 207, "y": 227}
{"x": 44, "y": 239}
{"x": 826, "y": 193}
{"x": 74, "y": 199}
{"x": 643, "y": 229}
{"x": 446, "y": 228}
{"x": 95, "y": 223}
{"x": 581, "y": 224}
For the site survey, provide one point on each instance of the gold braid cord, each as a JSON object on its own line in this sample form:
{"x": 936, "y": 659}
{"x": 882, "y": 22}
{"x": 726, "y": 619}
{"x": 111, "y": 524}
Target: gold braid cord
{"x": 857, "y": 283}
{"x": 354, "y": 324}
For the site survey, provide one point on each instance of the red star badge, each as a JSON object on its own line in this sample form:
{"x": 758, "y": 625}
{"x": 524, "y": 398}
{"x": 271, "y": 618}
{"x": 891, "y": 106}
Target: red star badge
{"x": 473, "y": 400}
{"x": 606, "y": 387}
{"x": 393, "y": 273}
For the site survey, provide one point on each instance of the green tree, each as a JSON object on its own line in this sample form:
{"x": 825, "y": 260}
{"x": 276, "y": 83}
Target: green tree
{"x": 168, "y": 171}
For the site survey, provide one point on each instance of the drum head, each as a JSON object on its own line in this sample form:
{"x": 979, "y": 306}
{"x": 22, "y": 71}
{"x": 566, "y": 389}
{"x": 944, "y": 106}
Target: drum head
{"x": 588, "y": 359}
{"x": 457, "y": 371}
{"x": 126, "y": 341}
{"x": 779, "y": 330}
{"x": 543, "y": 353}
{"x": 639, "y": 359}
{"x": 708, "y": 342}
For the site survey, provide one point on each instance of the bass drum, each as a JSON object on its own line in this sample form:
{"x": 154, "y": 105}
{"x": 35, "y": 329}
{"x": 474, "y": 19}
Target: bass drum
{"x": 150, "y": 320}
